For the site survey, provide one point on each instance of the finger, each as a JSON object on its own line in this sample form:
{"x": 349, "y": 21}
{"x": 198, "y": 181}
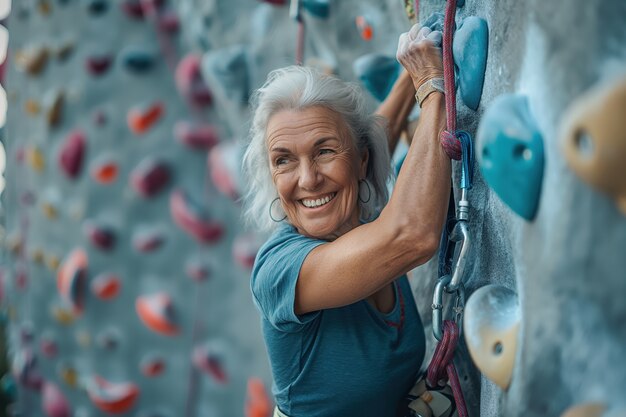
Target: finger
{"x": 414, "y": 31}
{"x": 435, "y": 37}
{"x": 423, "y": 32}
{"x": 403, "y": 42}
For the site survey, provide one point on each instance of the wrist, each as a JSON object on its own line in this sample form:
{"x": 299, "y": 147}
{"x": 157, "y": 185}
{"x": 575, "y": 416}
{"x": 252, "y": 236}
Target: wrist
{"x": 428, "y": 88}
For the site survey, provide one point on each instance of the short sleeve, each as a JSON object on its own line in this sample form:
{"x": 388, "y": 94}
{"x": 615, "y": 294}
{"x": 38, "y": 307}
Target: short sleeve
{"x": 274, "y": 277}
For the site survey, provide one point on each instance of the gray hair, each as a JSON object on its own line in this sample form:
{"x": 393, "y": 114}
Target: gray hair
{"x": 298, "y": 88}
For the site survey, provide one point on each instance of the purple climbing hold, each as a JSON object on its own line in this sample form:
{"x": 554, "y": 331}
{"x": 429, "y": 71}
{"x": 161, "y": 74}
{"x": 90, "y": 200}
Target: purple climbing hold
{"x": 100, "y": 236}
{"x": 135, "y": 9}
{"x": 196, "y": 136}
{"x": 150, "y": 177}
{"x": 97, "y": 65}
{"x": 72, "y": 153}
{"x": 190, "y": 83}
{"x": 53, "y": 401}
{"x": 148, "y": 241}
{"x": 190, "y": 217}
{"x": 99, "y": 118}
{"x": 169, "y": 22}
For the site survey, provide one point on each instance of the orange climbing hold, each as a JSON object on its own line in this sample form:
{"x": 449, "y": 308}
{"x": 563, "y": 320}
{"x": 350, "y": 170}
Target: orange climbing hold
{"x": 141, "y": 120}
{"x": 365, "y": 28}
{"x": 258, "y": 402}
{"x": 112, "y": 398}
{"x": 156, "y": 312}
{"x": 105, "y": 173}
{"x": 106, "y": 286}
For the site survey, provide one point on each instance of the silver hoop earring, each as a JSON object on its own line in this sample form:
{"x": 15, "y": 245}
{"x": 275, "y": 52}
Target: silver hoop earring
{"x": 271, "y": 216}
{"x": 369, "y": 192}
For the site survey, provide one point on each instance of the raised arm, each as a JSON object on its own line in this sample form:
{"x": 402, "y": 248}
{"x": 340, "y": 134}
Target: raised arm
{"x": 397, "y": 107}
{"x": 406, "y": 234}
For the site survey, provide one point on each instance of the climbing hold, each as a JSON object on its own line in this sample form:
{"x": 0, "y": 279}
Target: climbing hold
{"x": 52, "y": 262}
{"x": 470, "y": 57}
{"x": 593, "y": 136}
{"x": 226, "y": 72}
{"x": 190, "y": 217}
{"x": 138, "y": 60}
{"x": 196, "y": 136}
{"x": 97, "y": 7}
{"x": 169, "y": 22}
{"x": 68, "y": 374}
{"x": 21, "y": 279}
{"x": 245, "y": 248}
{"x": 44, "y": 7}
{"x": 152, "y": 366}
{"x": 224, "y": 164}
{"x": 366, "y": 30}
{"x": 8, "y": 386}
{"x": 275, "y": 2}
{"x": 37, "y": 256}
{"x": 318, "y": 8}
{"x": 48, "y": 347}
{"x": 97, "y": 65}
{"x": 53, "y": 401}
{"x": 99, "y": 118}
{"x": 135, "y": 9}
{"x": 510, "y": 153}
{"x": 197, "y": 270}
{"x": 491, "y": 326}
{"x": 33, "y": 60}
{"x": 49, "y": 210}
{"x": 27, "y": 333}
{"x": 114, "y": 398}
{"x": 585, "y": 410}
{"x": 157, "y": 313}
{"x": 24, "y": 368}
{"x": 208, "y": 361}
{"x": 377, "y": 73}
{"x": 148, "y": 241}
{"x": 71, "y": 279}
{"x": 104, "y": 171}
{"x": 63, "y": 315}
{"x": 35, "y": 158}
{"x": 140, "y": 120}
{"x": 65, "y": 50}
{"x": 150, "y": 177}
{"x": 258, "y": 402}
{"x": 106, "y": 286}
{"x": 190, "y": 83}
{"x": 108, "y": 339}
{"x": 100, "y": 236}
{"x": 32, "y": 107}
{"x": 72, "y": 153}
{"x": 53, "y": 103}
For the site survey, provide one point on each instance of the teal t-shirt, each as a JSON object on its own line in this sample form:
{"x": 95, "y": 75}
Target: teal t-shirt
{"x": 339, "y": 362}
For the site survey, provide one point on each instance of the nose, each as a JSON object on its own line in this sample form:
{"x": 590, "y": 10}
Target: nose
{"x": 310, "y": 177}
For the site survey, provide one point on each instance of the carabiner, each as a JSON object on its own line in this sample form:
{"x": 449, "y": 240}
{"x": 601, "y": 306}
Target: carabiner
{"x": 437, "y": 306}
{"x": 459, "y": 307}
{"x": 460, "y": 233}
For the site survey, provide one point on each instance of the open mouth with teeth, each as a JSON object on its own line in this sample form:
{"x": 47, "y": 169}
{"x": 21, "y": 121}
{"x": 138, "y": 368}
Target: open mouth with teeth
{"x": 314, "y": 203}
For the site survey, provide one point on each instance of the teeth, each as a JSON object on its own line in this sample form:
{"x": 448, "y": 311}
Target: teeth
{"x": 318, "y": 202}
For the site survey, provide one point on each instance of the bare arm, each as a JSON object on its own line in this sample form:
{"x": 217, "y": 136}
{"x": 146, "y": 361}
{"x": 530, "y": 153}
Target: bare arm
{"x": 406, "y": 234}
{"x": 397, "y": 107}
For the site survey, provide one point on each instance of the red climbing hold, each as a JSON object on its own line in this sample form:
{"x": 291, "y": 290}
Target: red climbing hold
{"x": 157, "y": 313}
{"x": 53, "y": 401}
{"x": 197, "y": 271}
{"x": 187, "y": 216}
{"x": 196, "y": 136}
{"x": 105, "y": 172}
{"x": 365, "y": 28}
{"x": 100, "y": 236}
{"x": 208, "y": 362}
{"x": 169, "y": 22}
{"x": 140, "y": 120}
{"x": 148, "y": 241}
{"x": 152, "y": 366}
{"x": 106, "y": 286}
{"x": 71, "y": 279}
{"x": 112, "y": 398}
{"x": 136, "y": 10}
{"x": 258, "y": 402}
{"x": 48, "y": 347}
{"x": 190, "y": 83}
{"x": 245, "y": 248}
{"x": 72, "y": 154}
{"x": 98, "y": 65}
{"x": 150, "y": 177}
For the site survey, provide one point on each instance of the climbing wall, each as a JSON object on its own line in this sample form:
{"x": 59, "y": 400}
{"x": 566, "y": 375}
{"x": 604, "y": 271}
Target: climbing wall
{"x": 125, "y": 274}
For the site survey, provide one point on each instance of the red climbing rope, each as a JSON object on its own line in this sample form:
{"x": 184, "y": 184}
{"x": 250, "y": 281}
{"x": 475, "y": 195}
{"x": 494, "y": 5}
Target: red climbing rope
{"x": 442, "y": 369}
{"x": 450, "y": 143}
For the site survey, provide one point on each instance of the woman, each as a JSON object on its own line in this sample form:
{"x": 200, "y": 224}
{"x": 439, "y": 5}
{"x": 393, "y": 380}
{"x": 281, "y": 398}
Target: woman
{"x": 341, "y": 328}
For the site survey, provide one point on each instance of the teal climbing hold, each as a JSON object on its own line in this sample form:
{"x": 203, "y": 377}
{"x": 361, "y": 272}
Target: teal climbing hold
{"x": 97, "y": 7}
{"x": 377, "y": 72}
{"x": 510, "y": 153}
{"x": 138, "y": 60}
{"x": 318, "y": 8}
{"x": 226, "y": 71}
{"x": 435, "y": 21}
{"x": 470, "y": 57}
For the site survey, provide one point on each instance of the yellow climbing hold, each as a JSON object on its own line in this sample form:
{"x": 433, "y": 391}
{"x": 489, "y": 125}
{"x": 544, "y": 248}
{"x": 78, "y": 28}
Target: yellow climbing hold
{"x": 54, "y": 112}
{"x": 44, "y": 7}
{"x": 63, "y": 316}
{"x": 32, "y": 60}
{"x": 49, "y": 211}
{"x": 35, "y": 159}
{"x": 37, "y": 256}
{"x": 69, "y": 376}
{"x": 32, "y": 107}
{"x": 53, "y": 262}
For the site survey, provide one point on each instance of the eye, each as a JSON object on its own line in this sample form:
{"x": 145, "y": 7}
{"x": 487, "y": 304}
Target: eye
{"x": 280, "y": 161}
{"x": 326, "y": 151}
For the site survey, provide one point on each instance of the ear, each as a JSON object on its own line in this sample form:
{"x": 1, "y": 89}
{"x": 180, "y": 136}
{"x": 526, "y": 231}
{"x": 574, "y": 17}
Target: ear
{"x": 365, "y": 157}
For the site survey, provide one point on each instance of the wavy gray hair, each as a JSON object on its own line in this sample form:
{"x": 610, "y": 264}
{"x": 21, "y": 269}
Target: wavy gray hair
{"x": 298, "y": 88}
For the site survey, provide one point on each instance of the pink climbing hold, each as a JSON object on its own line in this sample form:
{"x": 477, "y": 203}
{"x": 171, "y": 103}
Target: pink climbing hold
{"x": 136, "y": 10}
{"x": 48, "y": 347}
{"x": 224, "y": 168}
{"x": 188, "y": 216}
{"x": 72, "y": 154}
{"x": 190, "y": 83}
{"x": 150, "y": 177}
{"x": 208, "y": 362}
{"x": 98, "y": 65}
{"x": 196, "y": 136}
{"x": 106, "y": 286}
{"x": 156, "y": 311}
{"x": 140, "y": 119}
{"x": 148, "y": 241}
{"x": 100, "y": 236}
{"x": 112, "y": 398}
{"x": 197, "y": 271}
{"x": 245, "y": 248}
{"x": 169, "y": 22}
{"x": 71, "y": 279}
{"x": 152, "y": 366}
{"x": 53, "y": 401}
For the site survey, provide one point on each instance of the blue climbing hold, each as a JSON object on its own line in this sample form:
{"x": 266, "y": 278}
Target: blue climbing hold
{"x": 138, "y": 60}
{"x": 97, "y": 7}
{"x": 377, "y": 72}
{"x": 318, "y": 8}
{"x": 510, "y": 153}
{"x": 226, "y": 72}
{"x": 435, "y": 21}
{"x": 470, "y": 57}
{"x": 460, "y": 3}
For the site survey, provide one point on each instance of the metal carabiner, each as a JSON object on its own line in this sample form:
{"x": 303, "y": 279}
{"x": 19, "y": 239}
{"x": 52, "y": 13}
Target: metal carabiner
{"x": 437, "y": 306}
{"x": 460, "y": 234}
{"x": 459, "y": 307}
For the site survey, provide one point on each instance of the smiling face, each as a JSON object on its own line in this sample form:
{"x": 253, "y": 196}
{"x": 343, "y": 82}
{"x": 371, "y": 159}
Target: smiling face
{"x": 316, "y": 170}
